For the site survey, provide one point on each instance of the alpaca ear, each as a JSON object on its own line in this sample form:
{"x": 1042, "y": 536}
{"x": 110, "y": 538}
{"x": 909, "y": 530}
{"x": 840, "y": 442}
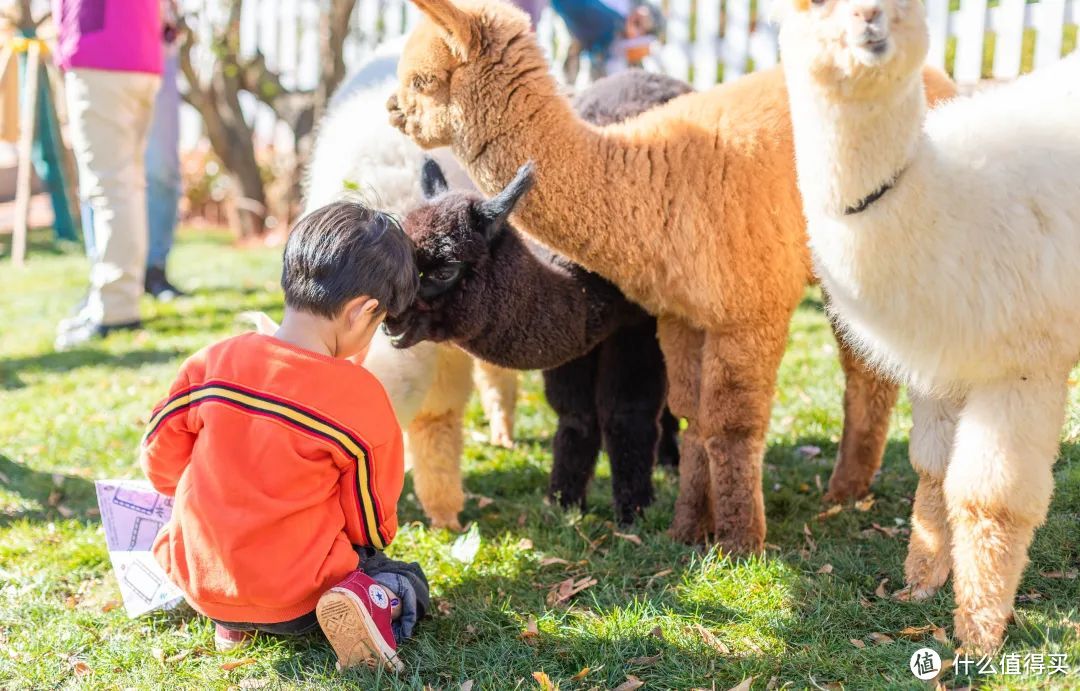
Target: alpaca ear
{"x": 432, "y": 180}
{"x": 498, "y": 208}
{"x": 459, "y": 29}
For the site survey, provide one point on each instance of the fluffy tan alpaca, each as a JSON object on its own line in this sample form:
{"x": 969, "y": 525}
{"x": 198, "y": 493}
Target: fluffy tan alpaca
{"x": 951, "y": 252}
{"x": 692, "y": 210}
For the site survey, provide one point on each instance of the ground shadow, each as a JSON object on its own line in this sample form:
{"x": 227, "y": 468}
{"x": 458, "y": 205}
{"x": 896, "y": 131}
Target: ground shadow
{"x": 45, "y": 496}
{"x": 11, "y": 369}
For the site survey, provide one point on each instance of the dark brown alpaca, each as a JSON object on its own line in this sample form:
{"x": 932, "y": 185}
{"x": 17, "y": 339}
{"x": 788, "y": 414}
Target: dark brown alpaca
{"x": 505, "y": 299}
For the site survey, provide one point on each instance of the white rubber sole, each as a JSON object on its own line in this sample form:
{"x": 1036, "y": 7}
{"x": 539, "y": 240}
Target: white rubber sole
{"x": 352, "y": 633}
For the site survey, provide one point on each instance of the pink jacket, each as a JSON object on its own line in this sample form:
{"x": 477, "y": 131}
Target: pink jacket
{"x": 117, "y": 35}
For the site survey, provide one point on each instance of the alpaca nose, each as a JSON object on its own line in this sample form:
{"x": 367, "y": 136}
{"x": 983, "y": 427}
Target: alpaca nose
{"x": 868, "y": 13}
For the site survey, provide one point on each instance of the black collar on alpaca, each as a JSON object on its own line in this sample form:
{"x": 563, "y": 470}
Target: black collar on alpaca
{"x": 864, "y": 203}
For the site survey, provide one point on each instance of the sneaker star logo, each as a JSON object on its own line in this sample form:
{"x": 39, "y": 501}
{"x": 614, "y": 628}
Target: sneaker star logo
{"x": 378, "y": 596}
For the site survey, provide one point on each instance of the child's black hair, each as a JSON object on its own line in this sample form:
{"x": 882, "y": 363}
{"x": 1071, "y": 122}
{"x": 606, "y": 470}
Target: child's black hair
{"x": 342, "y": 251}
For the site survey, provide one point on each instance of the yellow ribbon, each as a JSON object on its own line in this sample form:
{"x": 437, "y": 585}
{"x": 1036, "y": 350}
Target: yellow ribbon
{"x": 21, "y": 44}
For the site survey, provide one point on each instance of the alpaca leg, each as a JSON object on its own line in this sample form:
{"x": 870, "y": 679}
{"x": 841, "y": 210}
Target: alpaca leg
{"x": 739, "y": 376}
{"x": 667, "y": 455}
{"x": 868, "y": 403}
{"x": 630, "y": 392}
{"x": 682, "y": 346}
{"x": 570, "y": 391}
{"x": 435, "y": 439}
{"x": 929, "y": 550}
{"x": 498, "y": 388}
{"x": 997, "y": 489}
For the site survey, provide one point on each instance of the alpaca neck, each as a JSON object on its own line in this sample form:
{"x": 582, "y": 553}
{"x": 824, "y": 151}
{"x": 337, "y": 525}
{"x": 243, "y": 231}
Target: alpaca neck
{"x": 540, "y": 315}
{"x": 848, "y": 151}
{"x": 527, "y": 119}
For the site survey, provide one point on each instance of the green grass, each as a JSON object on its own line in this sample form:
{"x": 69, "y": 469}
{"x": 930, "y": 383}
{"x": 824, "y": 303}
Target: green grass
{"x": 66, "y": 419}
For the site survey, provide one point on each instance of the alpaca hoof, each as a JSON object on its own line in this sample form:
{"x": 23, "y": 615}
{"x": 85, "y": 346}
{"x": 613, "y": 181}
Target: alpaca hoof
{"x": 741, "y": 546}
{"x": 924, "y": 575}
{"x": 978, "y": 633}
{"x": 502, "y": 439}
{"x": 448, "y": 521}
{"x": 687, "y": 534}
{"x": 844, "y": 492}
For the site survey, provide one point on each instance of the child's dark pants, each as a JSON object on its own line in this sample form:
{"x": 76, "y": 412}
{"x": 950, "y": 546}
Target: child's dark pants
{"x": 404, "y": 579}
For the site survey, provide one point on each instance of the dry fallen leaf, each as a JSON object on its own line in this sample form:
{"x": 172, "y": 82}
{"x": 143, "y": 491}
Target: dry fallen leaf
{"x": 1030, "y": 596}
{"x": 887, "y": 532}
{"x": 902, "y": 595}
{"x": 630, "y": 684}
{"x": 825, "y": 569}
{"x": 158, "y": 655}
{"x": 752, "y": 646}
{"x": 857, "y": 643}
{"x": 65, "y": 511}
{"x": 711, "y": 640}
{"x": 831, "y": 511}
{"x": 658, "y": 574}
{"x": 1071, "y": 574}
{"x": 811, "y": 545}
{"x": 773, "y": 683}
{"x": 744, "y": 685}
{"x": 880, "y": 590}
{"x": 254, "y": 683}
{"x": 466, "y": 685}
{"x": 178, "y": 657}
{"x": 940, "y": 636}
{"x": 644, "y": 661}
{"x": 866, "y": 503}
{"x": 564, "y": 590}
{"x": 444, "y": 607}
{"x": 81, "y": 668}
{"x": 657, "y": 632}
{"x": 629, "y": 537}
{"x": 580, "y": 675}
{"x": 525, "y": 544}
{"x": 548, "y": 561}
{"x": 544, "y": 681}
{"x": 914, "y": 633}
{"x": 230, "y": 666}
{"x": 863, "y": 602}
{"x": 70, "y": 602}
{"x": 879, "y": 638}
{"x": 808, "y": 451}
{"x": 531, "y": 629}
{"x": 109, "y": 606}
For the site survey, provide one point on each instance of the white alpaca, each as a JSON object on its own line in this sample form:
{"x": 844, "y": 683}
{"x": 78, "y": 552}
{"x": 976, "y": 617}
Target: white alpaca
{"x": 952, "y": 255}
{"x": 359, "y": 155}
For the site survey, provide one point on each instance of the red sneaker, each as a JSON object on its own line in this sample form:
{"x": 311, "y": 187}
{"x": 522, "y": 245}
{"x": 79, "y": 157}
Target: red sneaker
{"x": 230, "y": 639}
{"x": 355, "y": 616}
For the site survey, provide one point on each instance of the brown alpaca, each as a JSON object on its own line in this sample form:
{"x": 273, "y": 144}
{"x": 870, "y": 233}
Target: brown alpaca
{"x": 691, "y": 209}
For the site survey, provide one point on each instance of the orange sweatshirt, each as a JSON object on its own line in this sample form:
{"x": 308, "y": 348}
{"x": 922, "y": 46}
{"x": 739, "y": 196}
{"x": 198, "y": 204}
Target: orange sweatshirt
{"x": 280, "y": 459}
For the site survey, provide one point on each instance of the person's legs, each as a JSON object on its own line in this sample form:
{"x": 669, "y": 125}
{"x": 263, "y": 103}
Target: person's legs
{"x": 163, "y": 181}
{"x": 109, "y": 114}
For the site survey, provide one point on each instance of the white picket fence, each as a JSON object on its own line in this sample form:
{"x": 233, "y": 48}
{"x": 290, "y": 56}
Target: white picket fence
{"x": 706, "y": 40}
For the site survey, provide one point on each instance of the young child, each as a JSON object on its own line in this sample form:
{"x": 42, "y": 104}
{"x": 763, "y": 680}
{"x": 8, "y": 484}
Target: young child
{"x": 286, "y": 459}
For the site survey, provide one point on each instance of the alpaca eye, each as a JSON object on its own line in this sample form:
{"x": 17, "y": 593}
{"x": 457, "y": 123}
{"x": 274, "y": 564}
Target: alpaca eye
{"x": 446, "y": 273}
{"x": 422, "y": 82}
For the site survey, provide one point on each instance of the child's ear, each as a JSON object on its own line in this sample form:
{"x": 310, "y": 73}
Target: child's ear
{"x": 362, "y": 307}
